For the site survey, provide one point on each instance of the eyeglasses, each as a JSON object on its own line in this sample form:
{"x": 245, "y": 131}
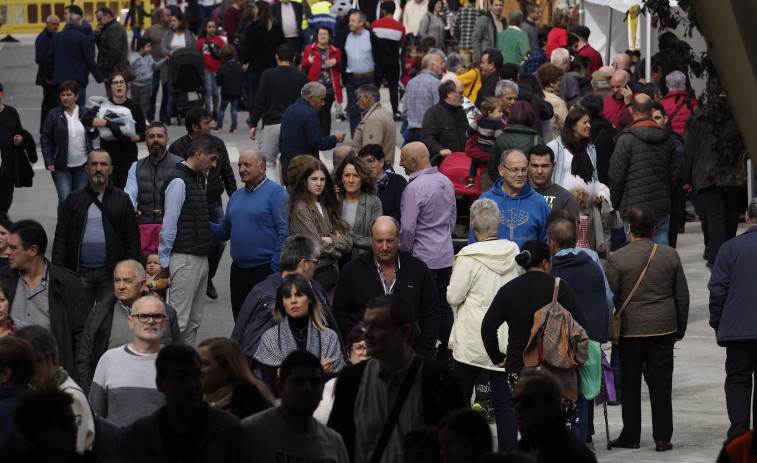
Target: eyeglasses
{"x": 118, "y": 82}
{"x": 528, "y": 401}
{"x": 522, "y": 170}
{"x": 145, "y": 317}
{"x": 358, "y": 348}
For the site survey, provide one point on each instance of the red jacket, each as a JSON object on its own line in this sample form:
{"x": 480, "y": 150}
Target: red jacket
{"x": 211, "y": 63}
{"x": 593, "y": 55}
{"x": 314, "y": 69}
{"x": 678, "y": 105}
{"x": 616, "y": 112}
{"x": 557, "y": 38}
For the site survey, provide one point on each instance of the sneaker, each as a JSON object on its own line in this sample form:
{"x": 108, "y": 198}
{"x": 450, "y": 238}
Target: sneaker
{"x": 233, "y": 131}
{"x": 217, "y": 129}
{"x": 470, "y": 183}
{"x": 486, "y": 409}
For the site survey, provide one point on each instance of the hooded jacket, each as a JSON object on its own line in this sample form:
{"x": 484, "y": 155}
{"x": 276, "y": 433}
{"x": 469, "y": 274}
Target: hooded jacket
{"x": 478, "y": 268}
{"x": 643, "y": 168}
{"x": 523, "y": 217}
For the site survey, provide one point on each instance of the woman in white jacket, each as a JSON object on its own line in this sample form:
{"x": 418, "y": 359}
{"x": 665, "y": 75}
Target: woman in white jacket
{"x": 480, "y": 269}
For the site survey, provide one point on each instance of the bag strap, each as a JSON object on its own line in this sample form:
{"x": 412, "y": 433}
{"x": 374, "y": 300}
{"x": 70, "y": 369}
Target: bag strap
{"x": 536, "y": 140}
{"x": 557, "y": 289}
{"x": 638, "y": 282}
{"x": 394, "y": 415}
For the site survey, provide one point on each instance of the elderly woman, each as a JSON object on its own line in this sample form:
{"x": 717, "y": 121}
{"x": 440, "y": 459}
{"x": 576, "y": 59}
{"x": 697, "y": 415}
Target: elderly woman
{"x": 389, "y": 185}
{"x": 654, "y": 319}
{"x": 550, "y": 78}
{"x": 360, "y": 205}
{"x": 65, "y": 142}
{"x": 479, "y": 270}
{"x": 302, "y": 327}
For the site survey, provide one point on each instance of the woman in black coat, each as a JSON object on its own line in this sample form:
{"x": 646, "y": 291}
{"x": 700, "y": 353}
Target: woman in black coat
{"x": 262, "y": 38}
{"x": 602, "y": 134}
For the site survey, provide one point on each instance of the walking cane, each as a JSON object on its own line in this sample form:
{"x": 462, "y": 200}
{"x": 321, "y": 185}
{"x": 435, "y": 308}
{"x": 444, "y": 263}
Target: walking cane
{"x": 604, "y": 407}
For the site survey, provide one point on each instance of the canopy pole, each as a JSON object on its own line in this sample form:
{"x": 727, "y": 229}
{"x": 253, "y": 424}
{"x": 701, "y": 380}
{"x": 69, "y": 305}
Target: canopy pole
{"x": 649, "y": 47}
{"x": 581, "y": 13}
{"x": 609, "y": 35}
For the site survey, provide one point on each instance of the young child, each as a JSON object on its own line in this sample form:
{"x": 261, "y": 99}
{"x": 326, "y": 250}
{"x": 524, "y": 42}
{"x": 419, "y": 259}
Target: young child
{"x": 155, "y": 284}
{"x": 230, "y": 79}
{"x": 584, "y": 220}
{"x": 209, "y": 44}
{"x": 136, "y": 19}
{"x": 411, "y": 62}
{"x": 143, "y": 65}
{"x": 486, "y": 129}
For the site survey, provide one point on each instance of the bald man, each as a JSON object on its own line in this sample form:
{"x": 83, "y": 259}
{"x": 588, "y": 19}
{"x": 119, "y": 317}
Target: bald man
{"x": 258, "y": 210}
{"x": 616, "y": 105}
{"x": 621, "y": 62}
{"x": 429, "y": 213}
{"x": 41, "y": 47}
{"x": 421, "y": 93}
{"x": 647, "y": 181}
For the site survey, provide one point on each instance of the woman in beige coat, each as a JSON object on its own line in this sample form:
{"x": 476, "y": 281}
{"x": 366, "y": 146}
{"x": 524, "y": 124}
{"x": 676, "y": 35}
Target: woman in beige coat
{"x": 480, "y": 269}
{"x": 550, "y": 77}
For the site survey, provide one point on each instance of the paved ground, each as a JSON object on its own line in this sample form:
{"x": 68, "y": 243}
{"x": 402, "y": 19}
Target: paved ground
{"x": 698, "y": 402}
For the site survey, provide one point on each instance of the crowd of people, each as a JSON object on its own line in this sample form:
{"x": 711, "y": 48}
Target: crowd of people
{"x": 359, "y": 333}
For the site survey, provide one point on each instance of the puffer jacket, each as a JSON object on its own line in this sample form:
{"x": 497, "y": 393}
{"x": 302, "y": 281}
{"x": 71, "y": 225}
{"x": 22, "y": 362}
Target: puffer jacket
{"x": 643, "y": 168}
{"x": 479, "y": 268}
{"x": 677, "y": 117}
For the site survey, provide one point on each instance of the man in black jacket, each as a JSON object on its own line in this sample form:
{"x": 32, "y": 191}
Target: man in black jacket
{"x": 112, "y": 43}
{"x": 96, "y": 229}
{"x": 199, "y": 122}
{"x": 400, "y": 274}
{"x": 433, "y": 390}
{"x": 107, "y": 324}
{"x": 445, "y": 124}
{"x": 41, "y": 293}
{"x": 491, "y": 62}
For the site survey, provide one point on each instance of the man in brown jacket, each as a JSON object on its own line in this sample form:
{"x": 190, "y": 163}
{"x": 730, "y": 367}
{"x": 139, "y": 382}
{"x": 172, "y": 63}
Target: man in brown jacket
{"x": 377, "y": 125}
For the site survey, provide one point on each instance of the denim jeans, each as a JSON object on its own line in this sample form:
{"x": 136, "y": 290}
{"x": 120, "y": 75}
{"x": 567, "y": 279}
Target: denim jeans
{"x": 68, "y": 180}
{"x": 222, "y": 110}
{"x": 507, "y": 433}
{"x": 211, "y": 92}
{"x": 98, "y": 284}
{"x": 583, "y": 416}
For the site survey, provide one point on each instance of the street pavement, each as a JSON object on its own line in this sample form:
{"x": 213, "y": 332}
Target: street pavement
{"x": 700, "y": 418}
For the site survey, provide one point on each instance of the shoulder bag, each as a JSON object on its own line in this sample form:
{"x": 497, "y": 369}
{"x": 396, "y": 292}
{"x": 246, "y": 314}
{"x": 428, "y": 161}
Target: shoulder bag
{"x": 613, "y": 332}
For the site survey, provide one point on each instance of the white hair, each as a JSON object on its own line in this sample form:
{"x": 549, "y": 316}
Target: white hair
{"x": 484, "y": 215}
{"x": 312, "y": 89}
{"x": 676, "y": 80}
{"x": 504, "y": 86}
{"x": 559, "y": 55}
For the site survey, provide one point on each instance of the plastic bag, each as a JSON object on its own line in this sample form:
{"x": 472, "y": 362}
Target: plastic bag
{"x": 590, "y": 373}
{"x": 116, "y": 113}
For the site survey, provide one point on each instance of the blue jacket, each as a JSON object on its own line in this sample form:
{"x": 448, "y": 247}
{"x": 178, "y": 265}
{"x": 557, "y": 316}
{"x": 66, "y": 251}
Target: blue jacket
{"x": 589, "y": 285}
{"x": 41, "y": 47}
{"x": 732, "y": 289}
{"x": 522, "y": 217}
{"x": 54, "y": 137}
{"x": 301, "y": 134}
{"x": 72, "y": 56}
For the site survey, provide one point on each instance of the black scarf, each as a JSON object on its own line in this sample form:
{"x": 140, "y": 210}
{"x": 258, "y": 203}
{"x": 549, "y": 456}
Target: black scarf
{"x": 581, "y": 165}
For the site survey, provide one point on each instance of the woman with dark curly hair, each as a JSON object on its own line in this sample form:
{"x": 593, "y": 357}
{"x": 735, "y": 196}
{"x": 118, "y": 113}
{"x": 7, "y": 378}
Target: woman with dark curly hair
{"x": 360, "y": 205}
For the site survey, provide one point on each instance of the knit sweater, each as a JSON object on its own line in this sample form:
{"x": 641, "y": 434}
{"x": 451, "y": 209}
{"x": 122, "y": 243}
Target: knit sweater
{"x": 123, "y": 389}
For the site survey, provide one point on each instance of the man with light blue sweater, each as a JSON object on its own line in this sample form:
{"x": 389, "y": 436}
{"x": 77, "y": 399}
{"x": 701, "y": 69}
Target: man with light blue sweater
{"x": 258, "y": 210}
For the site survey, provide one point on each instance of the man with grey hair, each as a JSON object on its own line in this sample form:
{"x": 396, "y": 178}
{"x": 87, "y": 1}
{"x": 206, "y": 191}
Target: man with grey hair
{"x": 96, "y": 229}
{"x": 732, "y": 293}
{"x": 420, "y": 95}
{"x": 569, "y": 90}
{"x": 259, "y": 210}
{"x": 301, "y": 118}
{"x": 299, "y": 255}
{"x": 523, "y": 211}
{"x": 107, "y": 323}
{"x": 513, "y": 42}
{"x": 456, "y": 64}
{"x": 616, "y": 105}
{"x": 507, "y": 91}
{"x": 72, "y": 56}
{"x": 445, "y": 124}
{"x": 340, "y": 153}
{"x": 47, "y": 373}
{"x": 678, "y": 103}
{"x": 42, "y": 46}
{"x": 377, "y": 125}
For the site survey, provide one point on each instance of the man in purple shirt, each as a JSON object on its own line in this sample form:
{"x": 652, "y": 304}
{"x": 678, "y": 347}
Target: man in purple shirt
{"x": 429, "y": 214}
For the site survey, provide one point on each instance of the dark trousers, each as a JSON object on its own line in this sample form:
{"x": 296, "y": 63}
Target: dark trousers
{"x": 740, "y": 365}
{"x": 7, "y": 184}
{"x": 352, "y": 84}
{"x": 391, "y": 72}
{"x": 120, "y": 174}
{"x": 413, "y": 135}
{"x": 49, "y": 101}
{"x": 150, "y": 116}
{"x": 653, "y": 355}
{"x": 214, "y": 258}
{"x": 722, "y": 207}
{"x": 507, "y": 433}
{"x": 441, "y": 277}
{"x": 325, "y": 115}
{"x": 241, "y": 282}
{"x": 253, "y": 80}
{"x": 295, "y": 43}
{"x": 98, "y": 284}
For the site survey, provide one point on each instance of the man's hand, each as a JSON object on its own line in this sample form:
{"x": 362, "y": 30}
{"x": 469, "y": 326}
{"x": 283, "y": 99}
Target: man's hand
{"x": 445, "y": 153}
{"x": 18, "y": 140}
{"x": 687, "y": 187}
{"x": 51, "y": 168}
{"x": 165, "y": 272}
{"x": 252, "y": 132}
{"x": 627, "y": 94}
{"x": 328, "y": 365}
{"x": 340, "y": 136}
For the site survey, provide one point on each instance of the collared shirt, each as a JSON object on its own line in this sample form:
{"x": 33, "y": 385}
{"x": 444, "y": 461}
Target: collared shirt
{"x": 77, "y": 140}
{"x": 255, "y": 186}
{"x": 421, "y": 93}
{"x": 176, "y": 193}
{"x": 388, "y": 288}
{"x": 377, "y": 393}
{"x": 289, "y": 21}
{"x": 429, "y": 214}
{"x": 31, "y": 306}
{"x": 359, "y": 53}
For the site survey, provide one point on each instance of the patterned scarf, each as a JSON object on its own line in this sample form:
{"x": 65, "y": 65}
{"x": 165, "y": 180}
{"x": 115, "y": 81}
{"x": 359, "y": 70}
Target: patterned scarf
{"x": 384, "y": 180}
{"x": 60, "y": 377}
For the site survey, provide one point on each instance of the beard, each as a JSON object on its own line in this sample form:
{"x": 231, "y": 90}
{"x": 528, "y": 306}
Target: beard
{"x": 97, "y": 181}
{"x": 156, "y": 151}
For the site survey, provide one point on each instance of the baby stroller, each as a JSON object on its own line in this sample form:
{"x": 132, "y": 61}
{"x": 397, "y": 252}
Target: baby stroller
{"x": 187, "y": 77}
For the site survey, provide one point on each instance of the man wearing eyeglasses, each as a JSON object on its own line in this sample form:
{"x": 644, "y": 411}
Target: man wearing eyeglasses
{"x": 123, "y": 389}
{"x": 522, "y": 211}
{"x": 107, "y": 324}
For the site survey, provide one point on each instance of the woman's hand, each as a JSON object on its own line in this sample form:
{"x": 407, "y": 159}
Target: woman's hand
{"x": 18, "y": 140}
{"x": 327, "y": 239}
{"x": 311, "y": 59}
{"x": 330, "y": 63}
{"x": 328, "y": 366}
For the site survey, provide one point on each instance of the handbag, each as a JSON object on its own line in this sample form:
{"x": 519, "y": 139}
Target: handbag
{"x": 613, "y": 332}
